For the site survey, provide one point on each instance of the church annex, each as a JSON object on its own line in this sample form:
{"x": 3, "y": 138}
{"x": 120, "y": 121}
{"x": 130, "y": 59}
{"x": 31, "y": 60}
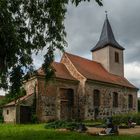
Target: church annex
{"x": 81, "y": 88}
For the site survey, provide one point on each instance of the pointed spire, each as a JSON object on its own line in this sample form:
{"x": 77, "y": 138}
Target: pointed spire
{"x": 106, "y": 14}
{"x": 107, "y": 37}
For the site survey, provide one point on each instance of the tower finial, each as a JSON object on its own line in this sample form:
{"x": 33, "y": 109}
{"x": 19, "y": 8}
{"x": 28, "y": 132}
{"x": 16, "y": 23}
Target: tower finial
{"x": 106, "y": 14}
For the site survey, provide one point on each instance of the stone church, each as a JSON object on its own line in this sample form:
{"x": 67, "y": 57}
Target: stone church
{"x": 81, "y": 88}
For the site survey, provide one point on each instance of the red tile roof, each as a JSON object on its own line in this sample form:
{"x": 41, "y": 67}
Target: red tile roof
{"x": 24, "y": 98}
{"x": 95, "y": 71}
{"x": 60, "y": 71}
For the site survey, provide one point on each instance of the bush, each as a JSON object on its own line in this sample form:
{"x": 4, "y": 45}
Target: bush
{"x": 66, "y": 125}
{"x": 123, "y": 118}
{"x": 93, "y": 123}
{"x": 138, "y": 105}
{"x": 55, "y": 124}
{"x": 1, "y": 116}
{"x": 34, "y": 119}
{"x": 136, "y": 118}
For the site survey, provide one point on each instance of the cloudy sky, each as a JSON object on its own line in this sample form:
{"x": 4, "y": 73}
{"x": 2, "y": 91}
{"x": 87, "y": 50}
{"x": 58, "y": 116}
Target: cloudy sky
{"x": 84, "y": 24}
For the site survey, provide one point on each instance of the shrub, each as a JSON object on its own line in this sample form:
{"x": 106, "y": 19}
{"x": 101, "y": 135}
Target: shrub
{"x": 55, "y": 124}
{"x": 34, "y": 118}
{"x": 93, "y": 123}
{"x": 66, "y": 124}
{"x": 123, "y": 118}
{"x": 1, "y": 116}
{"x": 138, "y": 105}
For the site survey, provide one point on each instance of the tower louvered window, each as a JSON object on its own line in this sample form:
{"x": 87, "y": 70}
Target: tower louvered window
{"x": 116, "y": 57}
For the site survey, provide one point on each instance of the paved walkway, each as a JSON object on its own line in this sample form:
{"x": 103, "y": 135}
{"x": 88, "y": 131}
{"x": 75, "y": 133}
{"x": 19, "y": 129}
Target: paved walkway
{"x": 130, "y": 131}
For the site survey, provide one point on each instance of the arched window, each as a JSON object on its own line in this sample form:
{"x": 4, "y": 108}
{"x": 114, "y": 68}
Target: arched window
{"x": 96, "y": 98}
{"x": 130, "y": 101}
{"x": 115, "y": 99}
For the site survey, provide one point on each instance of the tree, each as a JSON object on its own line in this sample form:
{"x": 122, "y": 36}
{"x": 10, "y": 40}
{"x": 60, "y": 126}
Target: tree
{"x": 27, "y": 26}
{"x": 138, "y": 105}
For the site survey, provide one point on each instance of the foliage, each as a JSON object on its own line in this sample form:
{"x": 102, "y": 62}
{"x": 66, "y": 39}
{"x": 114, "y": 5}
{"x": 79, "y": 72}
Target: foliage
{"x": 33, "y": 110}
{"x": 38, "y": 132}
{"x": 124, "y": 118}
{"x": 61, "y": 124}
{"x": 27, "y": 26}
{"x": 66, "y": 124}
{"x": 93, "y": 123}
{"x": 14, "y": 96}
{"x": 1, "y": 116}
{"x": 138, "y": 105}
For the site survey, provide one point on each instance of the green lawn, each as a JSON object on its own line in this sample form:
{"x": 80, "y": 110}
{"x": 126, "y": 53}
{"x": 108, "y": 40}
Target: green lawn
{"x": 38, "y": 132}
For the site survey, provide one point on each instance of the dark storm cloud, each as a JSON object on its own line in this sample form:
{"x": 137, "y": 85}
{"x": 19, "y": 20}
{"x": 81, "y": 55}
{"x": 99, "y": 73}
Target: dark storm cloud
{"x": 84, "y": 24}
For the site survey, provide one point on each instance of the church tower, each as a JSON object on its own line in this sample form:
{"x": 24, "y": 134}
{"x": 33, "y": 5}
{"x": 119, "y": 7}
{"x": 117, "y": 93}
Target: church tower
{"x": 108, "y": 52}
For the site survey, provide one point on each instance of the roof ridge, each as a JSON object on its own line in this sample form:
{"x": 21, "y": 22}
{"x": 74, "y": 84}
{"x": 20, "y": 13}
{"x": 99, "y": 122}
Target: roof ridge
{"x": 83, "y": 58}
{"x": 23, "y": 98}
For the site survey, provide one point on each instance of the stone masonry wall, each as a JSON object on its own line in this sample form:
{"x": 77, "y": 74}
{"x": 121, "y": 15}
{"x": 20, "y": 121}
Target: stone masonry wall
{"x": 81, "y": 87}
{"x": 9, "y": 114}
{"x": 48, "y": 103}
{"x": 106, "y": 100}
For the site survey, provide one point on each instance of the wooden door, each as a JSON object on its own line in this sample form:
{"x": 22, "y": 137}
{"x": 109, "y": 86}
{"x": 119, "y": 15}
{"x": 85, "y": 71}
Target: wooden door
{"x": 66, "y": 104}
{"x": 25, "y": 114}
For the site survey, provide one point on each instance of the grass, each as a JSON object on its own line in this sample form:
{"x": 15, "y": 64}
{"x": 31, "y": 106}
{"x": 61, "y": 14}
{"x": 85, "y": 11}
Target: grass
{"x": 92, "y": 123}
{"x": 38, "y": 132}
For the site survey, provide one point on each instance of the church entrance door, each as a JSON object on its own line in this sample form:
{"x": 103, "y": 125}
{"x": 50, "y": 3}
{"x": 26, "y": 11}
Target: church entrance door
{"x": 66, "y": 104}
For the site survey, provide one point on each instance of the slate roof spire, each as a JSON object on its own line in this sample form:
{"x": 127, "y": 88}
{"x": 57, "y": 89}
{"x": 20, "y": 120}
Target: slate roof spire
{"x": 107, "y": 37}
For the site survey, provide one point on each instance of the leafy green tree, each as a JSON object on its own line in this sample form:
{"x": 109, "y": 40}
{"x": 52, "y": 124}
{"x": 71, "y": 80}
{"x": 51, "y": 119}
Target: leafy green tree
{"x": 138, "y": 105}
{"x": 27, "y": 26}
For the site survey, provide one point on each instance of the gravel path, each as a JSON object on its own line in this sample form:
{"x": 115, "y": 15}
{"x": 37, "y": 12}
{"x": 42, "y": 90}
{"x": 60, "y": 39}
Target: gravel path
{"x": 130, "y": 131}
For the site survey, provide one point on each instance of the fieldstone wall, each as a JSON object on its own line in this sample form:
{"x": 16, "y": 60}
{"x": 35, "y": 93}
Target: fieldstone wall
{"x": 81, "y": 98}
{"x": 106, "y": 100}
{"x": 9, "y": 114}
{"x": 48, "y": 99}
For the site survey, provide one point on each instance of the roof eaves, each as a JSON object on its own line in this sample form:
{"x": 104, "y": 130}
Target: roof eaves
{"x": 111, "y": 83}
{"x": 76, "y": 81}
{"x": 13, "y": 103}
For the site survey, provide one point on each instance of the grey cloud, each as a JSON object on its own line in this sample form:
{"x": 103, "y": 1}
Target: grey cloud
{"x": 84, "y": 24}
